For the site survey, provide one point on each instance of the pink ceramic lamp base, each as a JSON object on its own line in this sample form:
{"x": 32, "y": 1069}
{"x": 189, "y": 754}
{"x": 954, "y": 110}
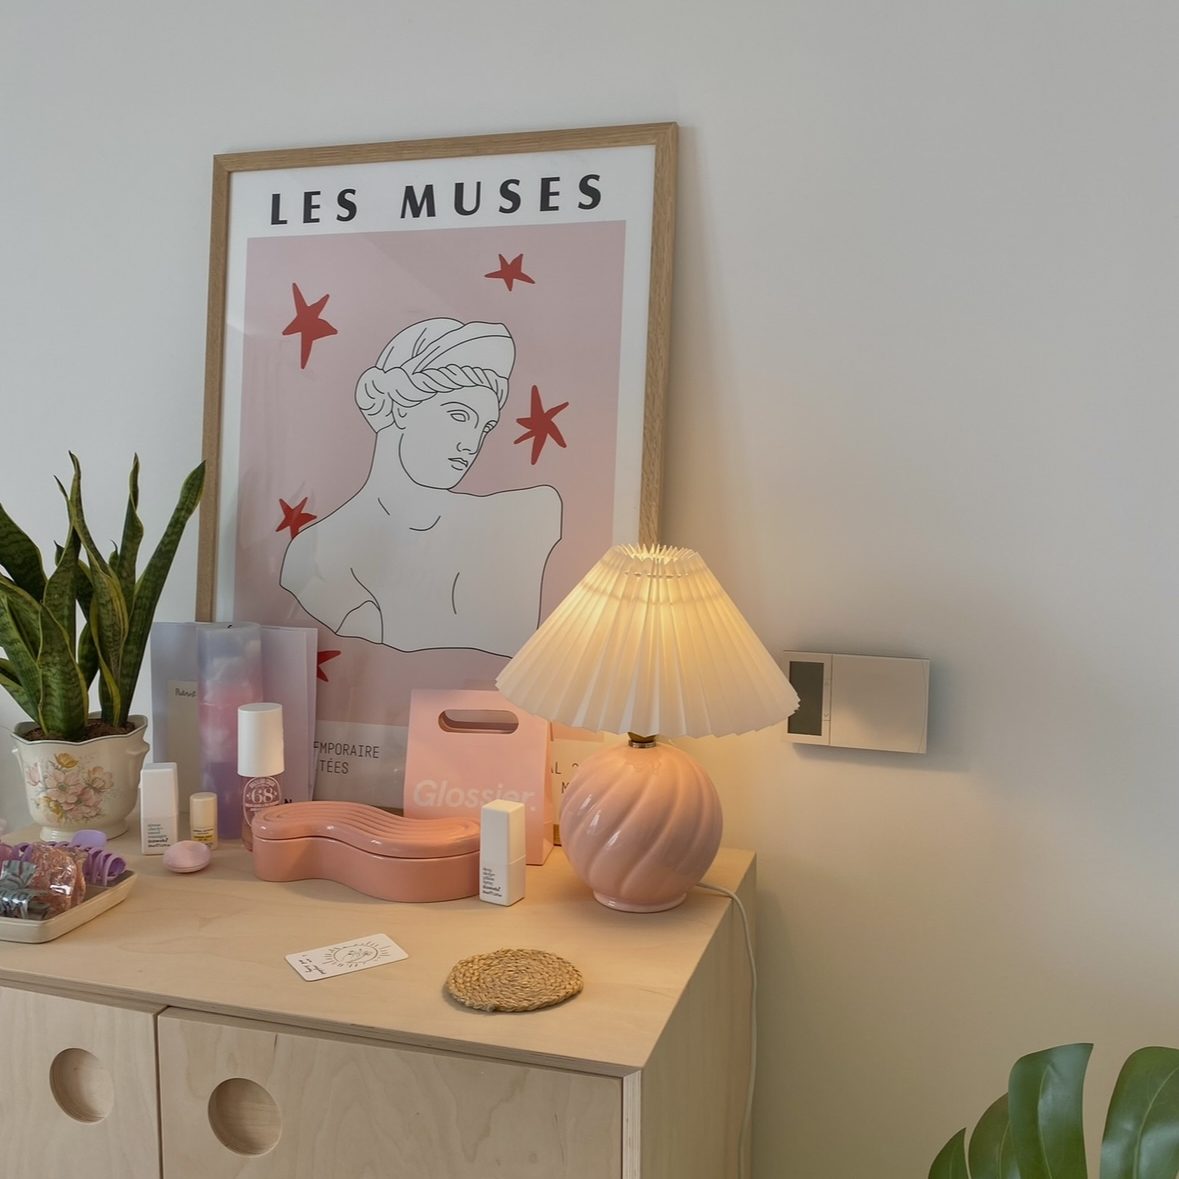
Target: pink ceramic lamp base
{"x": 624, "y": 906}
{"x": 640, "y": 825}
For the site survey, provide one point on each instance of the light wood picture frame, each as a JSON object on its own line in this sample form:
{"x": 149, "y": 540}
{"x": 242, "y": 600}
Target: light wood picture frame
{"x": 380, "y": 317}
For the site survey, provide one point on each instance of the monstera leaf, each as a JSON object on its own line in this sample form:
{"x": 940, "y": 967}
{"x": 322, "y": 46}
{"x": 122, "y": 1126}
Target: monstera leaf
{"x": 1035, "y": 1131}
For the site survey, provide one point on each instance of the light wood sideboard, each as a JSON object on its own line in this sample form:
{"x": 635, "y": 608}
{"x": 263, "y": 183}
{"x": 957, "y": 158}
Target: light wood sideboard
{"x": 170, "y": 1039}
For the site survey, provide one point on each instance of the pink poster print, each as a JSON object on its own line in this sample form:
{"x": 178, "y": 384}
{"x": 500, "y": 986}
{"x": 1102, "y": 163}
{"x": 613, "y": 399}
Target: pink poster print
{"x": 427, "y": 445}
{"x": 437, "y": 401}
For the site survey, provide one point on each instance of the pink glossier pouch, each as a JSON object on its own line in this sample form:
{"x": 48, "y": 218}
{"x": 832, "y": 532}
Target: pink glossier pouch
{"x": 470, "y": 747}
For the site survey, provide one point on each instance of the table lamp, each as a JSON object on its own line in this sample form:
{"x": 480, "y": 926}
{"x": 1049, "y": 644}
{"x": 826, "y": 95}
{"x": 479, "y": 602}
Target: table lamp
{"x": 646, "y": 643}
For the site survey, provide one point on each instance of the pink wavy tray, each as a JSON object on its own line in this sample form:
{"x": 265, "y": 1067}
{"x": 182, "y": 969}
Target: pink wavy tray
{"x": 381, "y": 855}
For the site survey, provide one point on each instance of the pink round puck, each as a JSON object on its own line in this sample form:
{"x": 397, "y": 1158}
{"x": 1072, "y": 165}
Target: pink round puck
{"x": 187, "y": 856}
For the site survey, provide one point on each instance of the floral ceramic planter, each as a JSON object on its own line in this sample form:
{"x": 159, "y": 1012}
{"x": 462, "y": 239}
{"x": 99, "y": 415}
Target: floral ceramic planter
{"x": 78, "y": 785}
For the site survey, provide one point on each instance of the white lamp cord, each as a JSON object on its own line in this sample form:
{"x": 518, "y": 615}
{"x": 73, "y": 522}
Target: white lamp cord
{"x": 747, "y": 1121}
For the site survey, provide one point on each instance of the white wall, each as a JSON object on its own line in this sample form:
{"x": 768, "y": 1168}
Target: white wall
{"x": 923, "y": 402}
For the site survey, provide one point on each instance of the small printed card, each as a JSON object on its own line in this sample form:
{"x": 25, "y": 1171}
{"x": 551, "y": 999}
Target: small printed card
{"x": 346, "y": 957}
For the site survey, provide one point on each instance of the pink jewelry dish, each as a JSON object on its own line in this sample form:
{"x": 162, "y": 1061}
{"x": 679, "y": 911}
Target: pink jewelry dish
{"x": 382, "y": 855}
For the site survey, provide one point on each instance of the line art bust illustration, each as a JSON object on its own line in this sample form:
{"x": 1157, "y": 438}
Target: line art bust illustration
{"x": 408, "y": 561}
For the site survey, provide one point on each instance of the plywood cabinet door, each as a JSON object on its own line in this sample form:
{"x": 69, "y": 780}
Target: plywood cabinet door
{"x": 79, "y": 1096}
{"x": 257, "y": 1101}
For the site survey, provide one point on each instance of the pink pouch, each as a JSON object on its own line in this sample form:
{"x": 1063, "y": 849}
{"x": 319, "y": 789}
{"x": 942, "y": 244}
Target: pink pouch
{"x": 467, "y": 748}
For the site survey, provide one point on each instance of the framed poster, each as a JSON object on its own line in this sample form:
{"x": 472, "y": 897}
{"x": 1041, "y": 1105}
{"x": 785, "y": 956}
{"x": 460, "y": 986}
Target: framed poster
{"x": 434, "y": 389}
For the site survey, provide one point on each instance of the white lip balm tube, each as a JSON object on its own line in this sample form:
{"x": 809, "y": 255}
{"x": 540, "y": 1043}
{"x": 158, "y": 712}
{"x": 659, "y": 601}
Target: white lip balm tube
{"x": 501, "y": 852}
{"x": 159, "y": 800}
{"x": 202, "y": 817}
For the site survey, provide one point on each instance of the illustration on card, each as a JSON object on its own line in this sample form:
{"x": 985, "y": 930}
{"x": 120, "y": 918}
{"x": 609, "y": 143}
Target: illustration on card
{"x": 409, "y": 561}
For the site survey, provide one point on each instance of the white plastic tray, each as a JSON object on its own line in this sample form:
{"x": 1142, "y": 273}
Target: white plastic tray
{"x": 98, "y": 900}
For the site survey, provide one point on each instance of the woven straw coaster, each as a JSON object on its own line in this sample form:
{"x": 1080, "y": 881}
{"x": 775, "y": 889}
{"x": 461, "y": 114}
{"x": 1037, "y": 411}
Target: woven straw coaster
{"x": 513, "y": 980}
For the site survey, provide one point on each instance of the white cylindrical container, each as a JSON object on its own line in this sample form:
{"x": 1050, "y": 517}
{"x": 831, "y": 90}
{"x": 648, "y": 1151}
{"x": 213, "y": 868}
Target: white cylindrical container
{"x": 202, "y": 817}
{"x": 501, "y": 852}
{"x": 259, "y": 761}
{"x": 159, "y": 804}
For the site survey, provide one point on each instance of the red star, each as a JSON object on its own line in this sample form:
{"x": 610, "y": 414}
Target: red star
{"x": 294, "y": 518}
{"x": 510, "y": 272}
{"x": 539, "y": 425}
{"x": 308, "y": 323}
{"x": 320, "y": 660}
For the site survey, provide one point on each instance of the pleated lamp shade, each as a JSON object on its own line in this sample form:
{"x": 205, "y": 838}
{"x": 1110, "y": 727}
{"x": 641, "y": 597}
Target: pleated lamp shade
{"x": 648, "y": 642}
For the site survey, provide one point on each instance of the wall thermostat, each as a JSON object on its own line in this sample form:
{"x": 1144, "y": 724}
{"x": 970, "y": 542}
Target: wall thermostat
{"x": 859, "y": 701}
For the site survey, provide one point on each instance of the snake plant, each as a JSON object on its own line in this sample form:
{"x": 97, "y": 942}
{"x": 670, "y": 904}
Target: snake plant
{"x": 49, "y": 662}
{"x": 1035, "y": 1131}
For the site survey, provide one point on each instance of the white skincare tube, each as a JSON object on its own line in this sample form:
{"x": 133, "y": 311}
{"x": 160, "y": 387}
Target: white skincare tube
{"x": 159, "y": 799}
{"x": 501, "y": 852}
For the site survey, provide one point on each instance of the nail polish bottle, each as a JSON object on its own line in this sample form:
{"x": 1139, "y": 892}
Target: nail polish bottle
{"x": 259, "y": 761}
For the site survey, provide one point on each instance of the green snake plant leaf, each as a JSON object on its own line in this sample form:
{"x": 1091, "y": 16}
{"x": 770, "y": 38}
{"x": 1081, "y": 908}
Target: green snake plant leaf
{"x": 21, "y": 557}
{"x": 951, "y": 1159}
{"x": 87, "y": 652}
{"x": 10, "y": 682}
{"x": 108, "y": 623}
{"x": 107, "y": 703}
{"x": 85, "y": 589}
{"x": 109, "y": 612}
{"x": 109, "y": 696}
{"x": 64, "y": 700}
{"x": 108, "y": 616}
{"x": 61, "y": 591}
{"x": 78, "y": 517}
{"x": 26, "y": 613}
{"x": 87, "y": 655}
{"x": 1142, "y": 1127}
{"x": 18, "y": 646}
{"x": 21, "y": 662}
{"x": 150, "y": 585}
{"x": 991, "y": 1153}
{"x": 1044, "y": 1104}
{"x": 123, "y": 560}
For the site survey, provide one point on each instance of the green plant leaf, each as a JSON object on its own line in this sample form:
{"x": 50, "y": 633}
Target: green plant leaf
{"x": 991, "y": 1154}
{"x": 108, "y": 701}
{"x": 87, "y": 655}
{"x": 26, "y": 613}
{"x": 151, "y": 584}
{"x": 108, "y": 626}
{"x": 951, "y": 1159}
{"x": 108, "y": 616}
{"x": 10, "y": 682}
{"x": 124, "y": 559}
{"x": 108, "y": 682}
{"x": 87, "y": 652}
{"x": 1141, "y": 1138}
{"x": 64, "y": 702}
{"x": 21, "y": 652}
{"x": 1044, "y": 1105}
{"x": 21, "y": 557}
{"x": 61, "y": 591}
{"x": 78, "y": 517}
{"x": 85, "y": 589}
